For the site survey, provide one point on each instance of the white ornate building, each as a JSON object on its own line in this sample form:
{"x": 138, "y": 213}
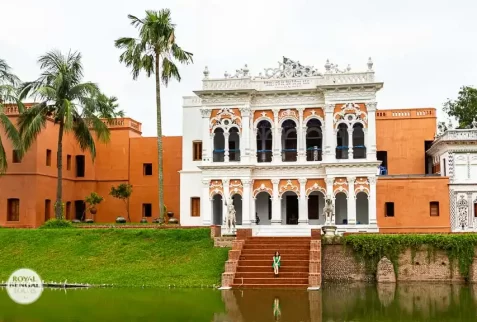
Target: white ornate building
{"x": 456, "y": 154}
{"x": 277, "y": 143}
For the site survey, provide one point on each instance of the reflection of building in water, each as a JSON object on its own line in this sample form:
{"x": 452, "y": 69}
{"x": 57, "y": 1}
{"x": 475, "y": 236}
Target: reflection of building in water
{"x": 386, "y": 292}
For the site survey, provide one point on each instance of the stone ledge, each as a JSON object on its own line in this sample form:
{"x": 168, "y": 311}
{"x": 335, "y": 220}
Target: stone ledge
{"x": 223, "y": 241}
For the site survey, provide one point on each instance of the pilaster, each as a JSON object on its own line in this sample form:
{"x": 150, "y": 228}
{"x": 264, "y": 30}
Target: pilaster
{"x": 371, "y": 137}
{"x": 226, "y": 149}
{"x": 276, "y": 206}
{"x": 350, "y": 143}
{"x": 205, "y": 204}
{"x": 351, "y": 201}
{"x": 247, "y": 216}
{"x": 277, "y": 148}
{"x": 245, "y": 137}
{"x": 372, "y": 200}
{"x": 329, "y": 153}
{"x": 226, "y": 198}
{"x": 301, "y": 136}
{"x": 206, "y": 142}
{"x": 303, "y": 203}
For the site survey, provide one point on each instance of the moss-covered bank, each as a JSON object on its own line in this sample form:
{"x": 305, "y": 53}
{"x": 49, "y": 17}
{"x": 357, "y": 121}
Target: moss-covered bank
{"x": 129, "y": 257}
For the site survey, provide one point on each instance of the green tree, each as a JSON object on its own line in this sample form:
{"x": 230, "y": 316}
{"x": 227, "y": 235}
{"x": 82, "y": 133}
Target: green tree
{"x": 154, "y": 52}
{"x": 69, "y": 102}
{"x": 8, "y": 81}
{"x": 464, "y": 108}
{"x": 123, "y": 191}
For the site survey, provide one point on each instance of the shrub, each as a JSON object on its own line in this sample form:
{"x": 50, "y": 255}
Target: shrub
{"x": 57, "y": 224}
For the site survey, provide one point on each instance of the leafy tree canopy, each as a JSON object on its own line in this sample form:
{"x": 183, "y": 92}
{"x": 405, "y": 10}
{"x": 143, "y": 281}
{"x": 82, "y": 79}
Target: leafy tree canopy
{"x": 464, "y": 108}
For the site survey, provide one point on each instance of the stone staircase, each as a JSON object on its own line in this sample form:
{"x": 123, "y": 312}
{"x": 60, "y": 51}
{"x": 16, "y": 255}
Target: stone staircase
{"x": 250, "y": 262}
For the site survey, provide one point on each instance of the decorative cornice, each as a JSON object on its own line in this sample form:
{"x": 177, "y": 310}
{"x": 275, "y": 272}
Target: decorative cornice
{"x": 294, "y": 98}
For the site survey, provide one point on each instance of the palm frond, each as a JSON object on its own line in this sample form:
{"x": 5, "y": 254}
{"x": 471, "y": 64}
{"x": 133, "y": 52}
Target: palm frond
{"x": 3, "y": 158}
{"x": 169, "y": 70}
{"x": 184, "y": 57}
{"x": 31, "y": 123}
{"x": 11, "y": 131}
{"x": 83, "y": 136}
{"x": 6, "y": 75}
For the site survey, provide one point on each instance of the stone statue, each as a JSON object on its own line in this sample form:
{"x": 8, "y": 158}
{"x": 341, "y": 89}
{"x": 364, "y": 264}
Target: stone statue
{"x": 328, "y": 211}
{"x": 230, "y": 220}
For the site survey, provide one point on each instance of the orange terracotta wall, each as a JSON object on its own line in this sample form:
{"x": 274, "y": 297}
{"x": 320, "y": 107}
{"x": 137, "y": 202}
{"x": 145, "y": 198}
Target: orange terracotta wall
{"x": 402, "y": 134}
{"x": 412, "y": 197}
{"x": 118, "y": 161}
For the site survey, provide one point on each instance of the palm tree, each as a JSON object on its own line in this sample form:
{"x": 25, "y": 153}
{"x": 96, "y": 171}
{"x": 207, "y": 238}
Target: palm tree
{"x": 72, "y": 105}
{"x": 153, "y": 52}
{"x": 8, "y": 81}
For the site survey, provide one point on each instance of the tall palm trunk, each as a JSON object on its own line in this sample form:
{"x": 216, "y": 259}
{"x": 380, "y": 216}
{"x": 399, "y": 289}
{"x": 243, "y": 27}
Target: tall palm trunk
{"x": 59, "y": 165}
{"x": 159, "y": 140}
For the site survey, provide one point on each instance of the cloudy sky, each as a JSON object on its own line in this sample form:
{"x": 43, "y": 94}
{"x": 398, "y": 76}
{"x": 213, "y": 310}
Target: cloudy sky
{"x": 423, "y": 50}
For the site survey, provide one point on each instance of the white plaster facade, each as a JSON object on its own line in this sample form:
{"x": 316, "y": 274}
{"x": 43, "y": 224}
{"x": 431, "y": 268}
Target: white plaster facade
{"x": 279, "y": 160}
{"x": 455, "y": 151}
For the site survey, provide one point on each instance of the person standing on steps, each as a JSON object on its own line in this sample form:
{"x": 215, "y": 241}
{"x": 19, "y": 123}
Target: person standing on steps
{"x": 276, "y": 262}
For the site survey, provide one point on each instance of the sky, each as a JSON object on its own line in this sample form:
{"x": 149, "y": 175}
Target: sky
{"x": 423, "y": 50}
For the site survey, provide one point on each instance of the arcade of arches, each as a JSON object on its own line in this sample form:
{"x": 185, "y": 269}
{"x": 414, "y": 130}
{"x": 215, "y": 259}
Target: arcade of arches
{"x": 291, "y": 201}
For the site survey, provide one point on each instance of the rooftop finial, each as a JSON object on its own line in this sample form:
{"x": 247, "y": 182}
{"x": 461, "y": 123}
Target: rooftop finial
{"x": 206, "y": 72}
{"x": 370, "y": 64}
{"x": 327, "y": 65}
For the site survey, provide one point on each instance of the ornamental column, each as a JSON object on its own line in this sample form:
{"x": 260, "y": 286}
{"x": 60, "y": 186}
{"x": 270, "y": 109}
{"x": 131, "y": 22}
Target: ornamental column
{"x": 276, "y": 204}
{"x": 246, "y": 215}
{"x": 277, "y": 146}
{"x": 245, "y": 137}
{"x": 329, "y": 151}
{"x": 226, "y": 148}
{"x": 303, "y": 203}
{"x": 301, "y": 136}
{"x": 329, "y": 191}
{"x": 351, "y": 201}
{"x": 253, "y": 203}
{"x": 212, "y": 147}
{"x": 372, "y": 201}
{"x": 350, "y": 143}
{"x": 371, "y": 137}
{"x": 255, "y": 148}
{"x": 206, "y": 142}
{"x": 225, "y": 199}
{"x": 365, "y": 130}
{"x": 206, "y": 204}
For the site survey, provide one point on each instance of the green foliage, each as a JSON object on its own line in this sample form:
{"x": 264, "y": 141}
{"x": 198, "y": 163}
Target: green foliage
{"x": 93, "y": 199}
{"x": 464, "y": 108}
{"x": 371, "y": 248}
{"x": 57, "y": 224}
{"x": 62, "y": 210}
{"x": 123, "y": 257}
{"x": 123, "y": 191}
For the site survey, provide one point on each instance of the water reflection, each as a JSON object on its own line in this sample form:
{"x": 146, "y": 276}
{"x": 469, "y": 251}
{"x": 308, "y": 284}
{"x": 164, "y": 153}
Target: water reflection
{"x": 334, "y": 303}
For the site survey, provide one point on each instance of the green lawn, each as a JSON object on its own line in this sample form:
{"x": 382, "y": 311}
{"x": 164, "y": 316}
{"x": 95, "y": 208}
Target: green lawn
{"x": 123, "y": 257}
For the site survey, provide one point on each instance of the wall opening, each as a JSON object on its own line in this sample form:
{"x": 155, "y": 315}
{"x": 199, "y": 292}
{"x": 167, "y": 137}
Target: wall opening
{"x": 195, "y": 207}
{"x": 264, "y": 141}
{"x": 217, "y": 210}
{"x": 80, "y": 209}
{"x": 147, "y": 210}
{"x": 80, "y": 166}
{"x": 237, "y": 202}
{"x": 197, "y": 151}
{"x": 389, "y": 209}
{"x": 341, "y": 209}
{"x": 68, "y": 162}
{"x": 234, "y": 144}
{"x": 342, "y": 142}
{"x": 434, "y": 208}
{"x": 13, "y": 209}
{"x": 47, "y": 209}
{"x": 362, "y": 209}
{"x": 48, "y": 158}
{"x": 427, "y": 158}
{"x": 383, "y": 157}
{"x": 147, "y": 169}
{"x": 289, "y": 141}
{"x": 219, "y": 145}
{"x": 15, "y": 156}
{"x": 314, "y": 140}
{"x": 263, "y": 208}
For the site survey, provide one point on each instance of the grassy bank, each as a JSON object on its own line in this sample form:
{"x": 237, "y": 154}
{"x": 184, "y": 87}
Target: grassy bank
{"x": 129, "y": 257}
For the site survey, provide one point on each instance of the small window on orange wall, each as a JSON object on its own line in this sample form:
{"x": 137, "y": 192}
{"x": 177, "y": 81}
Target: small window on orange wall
{"x": 434, "y": 208}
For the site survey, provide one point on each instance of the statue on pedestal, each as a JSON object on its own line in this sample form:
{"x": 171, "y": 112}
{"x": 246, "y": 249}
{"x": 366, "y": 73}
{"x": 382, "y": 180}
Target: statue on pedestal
{"x": 329, "y": 212}
{"x": 230, "y": 220}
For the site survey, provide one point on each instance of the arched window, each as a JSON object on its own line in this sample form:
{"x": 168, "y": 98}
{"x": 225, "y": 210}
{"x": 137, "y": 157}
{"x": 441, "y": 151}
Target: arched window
{"x": 314, "y": 140}
{"x": 359, "y": 150}
{"x": 219, "y": 145}
{"x": 264, "y": 141}
{"x": 289, "y": 141}
{"x": 342, "y": 142}
{"x": 234, "y": 144}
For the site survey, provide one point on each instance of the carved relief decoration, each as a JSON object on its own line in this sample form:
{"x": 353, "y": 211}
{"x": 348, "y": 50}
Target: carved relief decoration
{"x": 262, "y": 186}
{"x": 262, "y": 115}
{"x": 216, "y": 188}
{"x": 289, "y": 185}
{"x": 289, "y": 69}
{"x": 235, "y": 187}
{"x": 288, "y": 115}
{"x": 315, "y": 185}
{"x": 462, "y": 212}
{"x": 361, "y": 185}
{"x": 350, "y": 114}
{"x": 225, "y": 119}
{"x": 340, "y": 185}
{"x": 316, "y": 113}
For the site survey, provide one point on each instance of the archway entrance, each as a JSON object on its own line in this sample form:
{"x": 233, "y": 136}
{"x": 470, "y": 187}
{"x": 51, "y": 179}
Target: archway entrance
{"x": 237, "y": 201}
{"x": 341, "y": 209}
{"x": 290, "y": 208}
{"x": 217, "y": 204}
{"x": 362, "y": 206}
{"x": 316, "y": 203}
{"x": 263, "y": 208}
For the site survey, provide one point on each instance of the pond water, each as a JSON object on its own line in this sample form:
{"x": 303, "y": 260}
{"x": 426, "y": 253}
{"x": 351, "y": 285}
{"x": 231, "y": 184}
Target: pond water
{"x": 335, "y": 302}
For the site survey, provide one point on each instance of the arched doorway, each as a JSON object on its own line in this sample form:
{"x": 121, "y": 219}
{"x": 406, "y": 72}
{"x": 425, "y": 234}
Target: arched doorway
{"x": 263, "y": 208}
{"x": 316, "y": 203}
{"x": 290, "y": 208}
{"x": 341, "y": 209}
{"x": 362, "y": 208}
{"x": 234, "y": 144}
{"x": 217, "y": 210}
{"x": 237, "y": 201}
{"x": 289, "y": 141}
{"x": 264, "y": 141}
{"x": 219, "y": 145}
{"x": 359, "y": 150}
{"x": 314, "y": 140}
{"x": 342, "y": 142}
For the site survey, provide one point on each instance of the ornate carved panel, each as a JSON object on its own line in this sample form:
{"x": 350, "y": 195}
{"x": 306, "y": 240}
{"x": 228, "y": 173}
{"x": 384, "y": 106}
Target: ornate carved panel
{"x": 350, "y": 114}
{"x": 216, "y": 188}
{"x": 315, "y": 185}
{"x": 225, "y": 118}
{"x": 340, "y": 185}
{"x": 262, "y": 186}
{"x": 235, "y": 187}
{"x": 288, "y": 114}
{"x": 313, "y": 113}
{"x": 462, "y": 211}
{"x": 288, "y": 185}
{"x": 262, "y": 115}
{"x": 361, "y": 185}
